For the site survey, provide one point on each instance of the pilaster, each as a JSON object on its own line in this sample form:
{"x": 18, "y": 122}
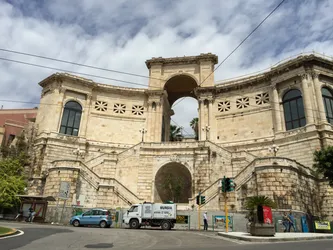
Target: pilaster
{"x": 276, "y": 109}
{"x": 307, "y": 101}
{"x": 319, "y": 98}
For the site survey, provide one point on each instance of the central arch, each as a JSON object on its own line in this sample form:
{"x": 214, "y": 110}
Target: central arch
{"x": 173, "y": 182}
{"x": 179, "y": 86}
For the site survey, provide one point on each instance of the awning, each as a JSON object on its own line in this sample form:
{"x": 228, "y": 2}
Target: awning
{"x": 37, "y": 197}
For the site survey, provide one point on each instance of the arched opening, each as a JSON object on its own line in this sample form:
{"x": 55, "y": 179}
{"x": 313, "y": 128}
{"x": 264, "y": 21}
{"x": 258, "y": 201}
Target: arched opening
{"x": 182, "y": 122}
{"x": 173, "y": 182}
{"x": 71, "y": 119}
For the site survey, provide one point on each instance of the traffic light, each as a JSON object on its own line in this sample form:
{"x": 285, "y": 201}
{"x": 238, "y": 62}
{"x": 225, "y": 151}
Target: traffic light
{"x": 223, "y": 185}
{"x": 229, "y": 185}
{"x": 198, "y": 199}
{"x": 202, "y": 200}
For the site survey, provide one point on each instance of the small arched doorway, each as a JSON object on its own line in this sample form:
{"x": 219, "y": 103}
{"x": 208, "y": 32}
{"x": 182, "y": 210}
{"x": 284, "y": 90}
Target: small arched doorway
{"x": 173, "y": 182}
{"x": 180, "y": 91}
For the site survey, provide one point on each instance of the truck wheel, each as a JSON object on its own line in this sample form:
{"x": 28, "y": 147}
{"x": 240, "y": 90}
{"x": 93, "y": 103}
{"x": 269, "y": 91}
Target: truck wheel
{"x": 166, "y": 225}
{"x": 134, "y": 224}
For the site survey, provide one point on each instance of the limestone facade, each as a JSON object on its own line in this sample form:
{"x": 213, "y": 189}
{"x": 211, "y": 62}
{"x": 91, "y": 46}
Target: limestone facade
{"x": 119, "y": 139}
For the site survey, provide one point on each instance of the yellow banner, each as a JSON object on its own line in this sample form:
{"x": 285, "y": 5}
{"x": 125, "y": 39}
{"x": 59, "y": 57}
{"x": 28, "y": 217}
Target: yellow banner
{"x": 323, "y": 225}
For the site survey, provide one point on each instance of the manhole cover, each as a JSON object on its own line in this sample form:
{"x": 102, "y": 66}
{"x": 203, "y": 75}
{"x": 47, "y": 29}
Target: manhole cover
{"x": 99, "y": 245}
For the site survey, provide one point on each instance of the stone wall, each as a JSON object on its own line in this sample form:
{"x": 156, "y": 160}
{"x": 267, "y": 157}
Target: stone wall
{"x": 290, "y": 184}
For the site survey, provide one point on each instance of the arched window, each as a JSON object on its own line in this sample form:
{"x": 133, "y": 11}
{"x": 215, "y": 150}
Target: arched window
{"x": 71, "y": 118}
{"x": 294, "y": 115}
{"x": 328, "y": 103}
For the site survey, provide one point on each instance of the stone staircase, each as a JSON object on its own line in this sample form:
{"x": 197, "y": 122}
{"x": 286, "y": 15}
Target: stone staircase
{"x": 97, "y": 181}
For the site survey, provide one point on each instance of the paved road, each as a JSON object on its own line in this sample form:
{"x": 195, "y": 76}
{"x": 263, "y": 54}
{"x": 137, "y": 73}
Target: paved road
{"x": 41, "y": 237}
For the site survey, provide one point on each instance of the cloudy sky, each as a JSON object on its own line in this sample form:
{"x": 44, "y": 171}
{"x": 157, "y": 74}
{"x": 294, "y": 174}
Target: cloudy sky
{"x": 121, "y": 35}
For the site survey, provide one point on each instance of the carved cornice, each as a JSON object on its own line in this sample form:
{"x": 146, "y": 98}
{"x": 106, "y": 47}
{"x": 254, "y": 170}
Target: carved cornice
{"x": 182, "y": 60}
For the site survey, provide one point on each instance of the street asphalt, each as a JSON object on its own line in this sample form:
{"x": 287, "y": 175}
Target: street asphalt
{"x": 42, "y": 237}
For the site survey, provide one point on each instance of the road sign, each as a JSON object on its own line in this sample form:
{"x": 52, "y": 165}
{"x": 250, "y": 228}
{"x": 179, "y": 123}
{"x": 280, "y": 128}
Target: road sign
{"x": 64, "y": 190}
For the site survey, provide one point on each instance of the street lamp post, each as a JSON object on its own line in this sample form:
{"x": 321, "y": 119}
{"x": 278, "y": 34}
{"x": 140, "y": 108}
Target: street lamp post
{"x": 206, "y": 129}
{"x": 274, "y": 149}
{"x": 143, "y": 131}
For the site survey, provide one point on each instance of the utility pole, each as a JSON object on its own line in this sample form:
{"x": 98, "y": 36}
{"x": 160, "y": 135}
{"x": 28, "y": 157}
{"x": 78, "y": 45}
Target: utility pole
{"x": 227, "y": 186}
{"x": 226, "y": 212}
{"x": 201, "y": 199}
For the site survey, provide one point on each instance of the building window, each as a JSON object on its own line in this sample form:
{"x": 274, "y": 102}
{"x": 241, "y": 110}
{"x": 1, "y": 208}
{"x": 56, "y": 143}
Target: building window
{"x": 328, "y": 103}
{"x": 101, "y": 106}
{"x": 242, "y": 103}
{"x": 119, "y": 108}
{"x": 71, "y": 119}
{"x": 294, "y": 115}
{"x": 10, "y": 139}
{"x": 137, "y": 110}
{"x": 223, "y": 106}
{"x": 262, "y": 98}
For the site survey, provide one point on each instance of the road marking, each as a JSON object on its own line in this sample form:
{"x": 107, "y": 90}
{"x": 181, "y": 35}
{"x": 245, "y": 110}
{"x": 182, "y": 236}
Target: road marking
{"x": 11, "y": 236}
{"x": 223, "y": 238}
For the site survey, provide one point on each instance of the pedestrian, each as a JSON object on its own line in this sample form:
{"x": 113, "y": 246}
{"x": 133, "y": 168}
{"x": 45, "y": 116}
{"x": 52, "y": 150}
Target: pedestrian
{"x": 32, "y": 214}
{"x": 291, "y": 221}
{"x": 205, "y": 221}
{"x": 285, "y": 221}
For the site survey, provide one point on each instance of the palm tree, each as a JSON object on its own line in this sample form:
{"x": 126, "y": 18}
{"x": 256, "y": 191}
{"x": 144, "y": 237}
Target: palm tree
{"x": 253, "y": 202}
{"x": 194, "y": 125}
{"x": 175, "y": 133}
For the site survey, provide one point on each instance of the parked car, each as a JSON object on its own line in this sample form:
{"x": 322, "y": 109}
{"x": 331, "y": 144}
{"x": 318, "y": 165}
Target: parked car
{"x": 96, "y": 216}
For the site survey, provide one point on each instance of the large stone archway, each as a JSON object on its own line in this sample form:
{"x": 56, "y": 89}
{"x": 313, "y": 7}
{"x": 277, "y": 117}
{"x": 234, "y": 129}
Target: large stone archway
{"x": 180, "y": 86}
{"x": 173, "y": 181}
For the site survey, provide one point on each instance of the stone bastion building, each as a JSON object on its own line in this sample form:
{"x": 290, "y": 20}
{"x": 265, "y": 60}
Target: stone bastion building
{"x": 112, "y": 143}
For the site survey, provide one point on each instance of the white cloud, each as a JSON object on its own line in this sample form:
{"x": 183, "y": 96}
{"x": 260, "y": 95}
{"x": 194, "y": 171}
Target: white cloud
{"x": 121, "y": 35}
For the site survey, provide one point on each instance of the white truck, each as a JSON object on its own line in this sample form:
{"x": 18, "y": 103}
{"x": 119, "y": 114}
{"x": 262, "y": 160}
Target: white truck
{"x": 151, "y": 214}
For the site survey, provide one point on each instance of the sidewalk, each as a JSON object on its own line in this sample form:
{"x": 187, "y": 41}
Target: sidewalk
{"x": 279, "y": 237}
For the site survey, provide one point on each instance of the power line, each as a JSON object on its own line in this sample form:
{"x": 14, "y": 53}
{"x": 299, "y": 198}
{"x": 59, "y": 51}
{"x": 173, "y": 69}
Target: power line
{"x": 226, "y": 58}
{"x": 74, "y": 72}
{"x": 240, "y": 44}
{"x": 77, "y": 64}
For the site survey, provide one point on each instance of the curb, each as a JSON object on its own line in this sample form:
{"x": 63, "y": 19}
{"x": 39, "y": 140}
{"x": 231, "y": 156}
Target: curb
{"x": 274, "y": 239}
{"x": 12, "y": 232}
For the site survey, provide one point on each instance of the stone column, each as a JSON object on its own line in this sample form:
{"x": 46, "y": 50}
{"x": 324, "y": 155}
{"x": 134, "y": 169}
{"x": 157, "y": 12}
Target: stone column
{"x": 210, "y": 119}
{"x": 319, "y": 97}
{"x": 202, "y": 134}
{"x": 60, "y": 107}
{"x": 276, "y": 110}
{"x": 158, "y": 122}
{"x": 306, "y": 100}
{"x": 85, "y": 116}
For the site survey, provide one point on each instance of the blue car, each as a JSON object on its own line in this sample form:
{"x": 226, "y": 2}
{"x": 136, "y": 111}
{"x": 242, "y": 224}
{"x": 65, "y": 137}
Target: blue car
{"x": 96, "y": 217}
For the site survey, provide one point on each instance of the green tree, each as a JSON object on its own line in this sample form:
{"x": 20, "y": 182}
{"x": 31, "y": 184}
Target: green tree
{"x": 195, "y": 126}
{"x": 253, "y": 202}
{"x": 323, "y": 162}
{"x": 12, "y": 180}
{"x": 175, "y": 133}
